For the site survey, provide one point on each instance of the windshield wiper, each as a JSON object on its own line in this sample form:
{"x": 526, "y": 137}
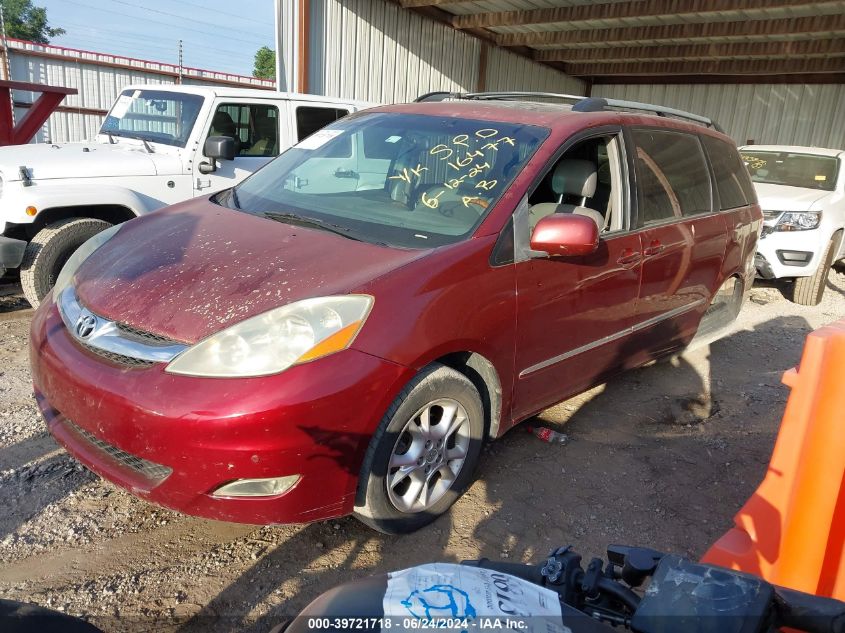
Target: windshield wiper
{"x": 136, "y": 137}
{"x": 234, "y": 198}
{"x": 291, "y": 218}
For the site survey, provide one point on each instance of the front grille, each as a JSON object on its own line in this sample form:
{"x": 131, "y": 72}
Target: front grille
{"x": 152, "y": 472}
{"x": 145, "y": 337}
{"x": 116, "y": 359}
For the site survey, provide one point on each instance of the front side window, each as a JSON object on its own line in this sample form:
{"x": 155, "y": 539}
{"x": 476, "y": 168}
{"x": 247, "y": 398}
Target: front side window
{"x": 411, "y": 180}
{"x": 792, "y": 169}
{"x": 156, "y": 116}
{"x": 255, "y": 127}
{"x": 672, "y": 176}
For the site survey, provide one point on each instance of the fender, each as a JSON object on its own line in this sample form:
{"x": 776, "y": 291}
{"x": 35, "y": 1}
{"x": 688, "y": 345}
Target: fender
{"x": 47, "y": 195}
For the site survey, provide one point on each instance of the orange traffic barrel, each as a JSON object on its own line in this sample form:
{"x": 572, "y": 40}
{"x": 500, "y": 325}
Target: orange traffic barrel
{"x": 792, "y": 530}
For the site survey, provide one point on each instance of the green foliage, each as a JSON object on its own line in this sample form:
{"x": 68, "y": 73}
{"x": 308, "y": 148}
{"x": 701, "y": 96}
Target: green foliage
{"x": 28, "y": 22}
{"x": 265, "y": 63}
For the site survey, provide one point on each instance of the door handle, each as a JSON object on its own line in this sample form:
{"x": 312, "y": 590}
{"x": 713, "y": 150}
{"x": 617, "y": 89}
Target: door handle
{"x": 345, "y": 173}
{"x": 628, "y": 256}
{"x": 654, "y": 248}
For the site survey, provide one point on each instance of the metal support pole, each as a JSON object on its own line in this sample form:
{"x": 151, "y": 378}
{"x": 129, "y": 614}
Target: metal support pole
{"x": 181, "y": 72}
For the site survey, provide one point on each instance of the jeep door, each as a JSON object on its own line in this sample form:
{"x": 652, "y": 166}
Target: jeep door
{"x": 683, "y": 236}
{"x": 574, "y": 313}
{"x": 255, "y": 126}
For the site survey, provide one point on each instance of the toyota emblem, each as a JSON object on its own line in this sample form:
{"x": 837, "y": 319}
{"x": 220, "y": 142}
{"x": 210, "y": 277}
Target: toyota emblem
{"x": 85, "y": 325}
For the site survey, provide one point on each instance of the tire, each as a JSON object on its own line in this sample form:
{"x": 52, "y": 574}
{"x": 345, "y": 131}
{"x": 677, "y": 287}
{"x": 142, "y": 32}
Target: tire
{"x": 808, "y": 291}
{"x": 400, "y": 437}
{"x": 48, "y": 251}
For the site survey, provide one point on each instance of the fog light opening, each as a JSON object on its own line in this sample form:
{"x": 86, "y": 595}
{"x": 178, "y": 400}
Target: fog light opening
{"x": 271, "y": 487}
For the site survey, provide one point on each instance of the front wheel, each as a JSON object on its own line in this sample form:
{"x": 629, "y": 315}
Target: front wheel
{"x": 48, "y": 251}
{"x": 808, "y": 291}
{"x": 422, "y": 457}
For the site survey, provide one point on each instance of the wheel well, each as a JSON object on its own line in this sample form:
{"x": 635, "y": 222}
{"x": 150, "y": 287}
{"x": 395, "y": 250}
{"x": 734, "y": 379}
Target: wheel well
{"x": 113, "y": 213}
{"x": 483, "y": 375}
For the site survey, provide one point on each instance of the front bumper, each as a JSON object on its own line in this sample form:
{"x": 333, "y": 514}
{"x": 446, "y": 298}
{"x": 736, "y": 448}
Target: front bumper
{"x": 790, "y": 253}
{"x": 11, "y": 252}
{"x": 173, "y": 440}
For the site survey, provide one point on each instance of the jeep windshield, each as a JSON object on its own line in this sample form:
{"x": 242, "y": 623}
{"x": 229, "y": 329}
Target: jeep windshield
{"x": 399, "y": 179}
{"x": 156, "y": 116}
{"x": 808, "y": 171}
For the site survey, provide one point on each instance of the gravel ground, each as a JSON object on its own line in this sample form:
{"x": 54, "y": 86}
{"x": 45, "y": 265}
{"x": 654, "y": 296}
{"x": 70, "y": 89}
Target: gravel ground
{"x": 661, "y": 456}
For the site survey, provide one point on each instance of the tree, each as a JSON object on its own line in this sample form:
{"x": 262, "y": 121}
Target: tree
{"x": 27, "y": 22}
{"x": 265, "y": 63}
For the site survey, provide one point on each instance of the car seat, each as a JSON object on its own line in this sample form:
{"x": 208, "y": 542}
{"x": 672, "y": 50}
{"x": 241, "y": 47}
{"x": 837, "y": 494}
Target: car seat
{"x": 571, "y": 177}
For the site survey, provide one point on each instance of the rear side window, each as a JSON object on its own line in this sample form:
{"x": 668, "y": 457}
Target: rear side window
{"x": 672, "y": 176}
{"x": 732, "y": 180}
{"x": 309, "y": 119}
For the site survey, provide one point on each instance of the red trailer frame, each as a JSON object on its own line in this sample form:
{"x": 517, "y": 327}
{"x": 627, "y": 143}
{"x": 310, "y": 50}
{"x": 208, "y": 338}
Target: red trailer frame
{"x": 12, "y": 133}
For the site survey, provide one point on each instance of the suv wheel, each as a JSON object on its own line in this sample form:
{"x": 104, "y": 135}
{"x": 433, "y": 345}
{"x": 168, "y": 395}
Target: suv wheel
{"x": 48, "y": 251}
{"x": 422, "y": 457}
{"x": 808, "y": 291}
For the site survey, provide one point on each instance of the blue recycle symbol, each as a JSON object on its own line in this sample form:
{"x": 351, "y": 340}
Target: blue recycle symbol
{"x": 439, "y": 601}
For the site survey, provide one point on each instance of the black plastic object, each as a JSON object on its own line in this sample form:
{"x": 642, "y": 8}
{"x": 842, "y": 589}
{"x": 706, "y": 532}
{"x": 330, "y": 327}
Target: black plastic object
{"x": 637, "y": 563}
{"x": 695, "y": 598}
{"x": 590, "y": 104}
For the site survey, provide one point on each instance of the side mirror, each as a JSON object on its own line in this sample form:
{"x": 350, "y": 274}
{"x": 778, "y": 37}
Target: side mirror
{"x": 220, "y": 147}
{"x": 217, "y": 148}
{"x": 565, "y": 235}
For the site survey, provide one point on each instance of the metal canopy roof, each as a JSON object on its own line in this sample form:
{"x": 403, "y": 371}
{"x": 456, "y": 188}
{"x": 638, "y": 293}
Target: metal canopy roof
{"x": 662, "y": 41}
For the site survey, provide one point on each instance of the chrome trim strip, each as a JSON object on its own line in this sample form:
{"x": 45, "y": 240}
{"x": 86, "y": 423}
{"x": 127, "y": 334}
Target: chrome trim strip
{"x": 108, "y": 337}
{"x": 609, "y": 339}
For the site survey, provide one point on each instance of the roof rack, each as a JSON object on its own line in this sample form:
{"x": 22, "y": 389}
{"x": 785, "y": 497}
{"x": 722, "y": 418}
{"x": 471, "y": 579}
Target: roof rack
{"x": 581, "y": 103}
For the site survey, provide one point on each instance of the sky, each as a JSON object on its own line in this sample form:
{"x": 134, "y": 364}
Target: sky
{"x": 220, "y": 35}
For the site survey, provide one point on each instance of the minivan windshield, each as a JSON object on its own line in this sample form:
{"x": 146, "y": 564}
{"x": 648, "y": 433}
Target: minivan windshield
{"x": 405, "y": 180}
{"x": 156, "y": 116}
{"x": 809, "y": 171}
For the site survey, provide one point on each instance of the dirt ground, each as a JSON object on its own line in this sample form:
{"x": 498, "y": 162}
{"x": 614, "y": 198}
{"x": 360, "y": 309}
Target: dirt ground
{"x": 662, "y": 456}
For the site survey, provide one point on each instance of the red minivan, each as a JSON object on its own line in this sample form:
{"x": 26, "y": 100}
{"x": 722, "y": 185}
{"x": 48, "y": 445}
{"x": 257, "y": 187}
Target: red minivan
{"x": 343, "y": 330}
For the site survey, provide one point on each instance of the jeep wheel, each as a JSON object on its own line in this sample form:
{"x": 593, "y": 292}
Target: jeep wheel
{"x": 808, "y": 291}
{"x": 422, "y": 457}
{"x": 48, "y": 251}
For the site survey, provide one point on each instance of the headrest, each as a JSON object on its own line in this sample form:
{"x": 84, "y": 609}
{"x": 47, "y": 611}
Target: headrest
{"x": 223, "y": 124}
{"x": 576, "y": 177}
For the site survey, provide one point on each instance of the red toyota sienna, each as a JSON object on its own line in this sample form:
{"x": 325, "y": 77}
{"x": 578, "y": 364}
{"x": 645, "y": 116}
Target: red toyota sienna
{"x": 343, "y": 330}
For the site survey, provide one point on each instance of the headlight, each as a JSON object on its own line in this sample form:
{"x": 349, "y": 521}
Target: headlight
{"x": 80, "y": 255}
{"x": 271, "y": 342}
{"x": 799, "y": 221}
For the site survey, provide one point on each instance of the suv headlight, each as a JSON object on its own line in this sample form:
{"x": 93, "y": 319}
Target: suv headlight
{"x": 799, "y": 221}
{"x": 80, "y": 255}
{"x": 275, "y": 340}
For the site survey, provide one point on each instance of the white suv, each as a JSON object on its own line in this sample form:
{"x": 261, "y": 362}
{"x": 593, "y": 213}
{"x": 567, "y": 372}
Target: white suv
{"x": 802, "y": 193}
{"x": 158, "y": 145}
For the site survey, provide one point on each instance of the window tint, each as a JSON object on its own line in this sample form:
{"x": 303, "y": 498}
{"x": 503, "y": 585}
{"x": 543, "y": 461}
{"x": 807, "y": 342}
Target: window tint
{"x": 672, "y": 175}
{"x": 309, "y": 119}
{"x": 255, "y": 127}
{"x": 732, "y": 181}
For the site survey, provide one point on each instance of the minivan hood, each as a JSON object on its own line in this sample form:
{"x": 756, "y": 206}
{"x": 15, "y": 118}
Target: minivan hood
{"x": 46, "y": 161}
{"x": 190, "y": 270}
{"x": 784, "y": 198}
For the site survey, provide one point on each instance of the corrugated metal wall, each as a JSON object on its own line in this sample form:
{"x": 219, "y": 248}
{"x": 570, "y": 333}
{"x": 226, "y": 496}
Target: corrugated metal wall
{"x": 377, "y": 51}
{"x": 508, "y": 71}
{"x": 788, "y": 114}
{"x": 99, "y": 78}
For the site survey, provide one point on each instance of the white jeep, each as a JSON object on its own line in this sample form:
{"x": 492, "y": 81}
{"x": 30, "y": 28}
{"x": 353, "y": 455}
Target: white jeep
{"x": 158, "y": 145}
{"x": 802, "y": 194}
